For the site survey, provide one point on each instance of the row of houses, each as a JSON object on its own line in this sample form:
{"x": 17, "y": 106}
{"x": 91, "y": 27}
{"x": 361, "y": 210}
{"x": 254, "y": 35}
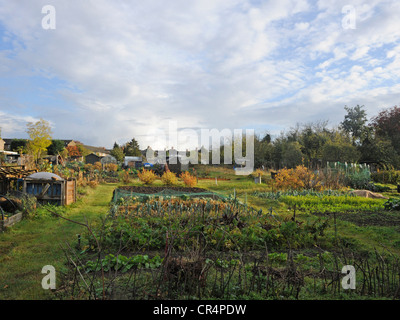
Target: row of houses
{"x": 100, "y": 154}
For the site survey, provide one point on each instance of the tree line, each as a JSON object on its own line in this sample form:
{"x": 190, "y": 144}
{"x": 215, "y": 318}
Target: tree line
{"x": 356, "y": 139}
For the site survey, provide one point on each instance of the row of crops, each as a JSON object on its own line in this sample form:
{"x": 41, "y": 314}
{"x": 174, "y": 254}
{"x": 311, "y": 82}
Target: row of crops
{"x": 205, "y": 248}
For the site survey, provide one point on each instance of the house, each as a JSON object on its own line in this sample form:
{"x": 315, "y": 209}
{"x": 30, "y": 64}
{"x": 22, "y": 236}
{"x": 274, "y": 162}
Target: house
{"x": 100, "y": 151}
{"x": 133, "y": 162}
{"x": 8, "y": 156}
{"x": 71, "y": 143}
{"x": 7, "y": 144}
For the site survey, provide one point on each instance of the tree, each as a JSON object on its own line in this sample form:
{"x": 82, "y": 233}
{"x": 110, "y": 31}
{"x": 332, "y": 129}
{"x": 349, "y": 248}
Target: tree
{"x": 312, "y": 139}
{"x": 263, "y": 150}
{"x": 73, "y": 151}
{"x": 292, "y": 155}
{"x": 354, "y": 122}
{"x": 83, "y": 151}
{"x": 376, "y": 149}
{"x": 40, "y": 137}
{"x": 267, "y": 138}
{"x": 118, "y": 153}
{"x": 18, "y": 145}
{"x": 132, "y": 148}
{"x": 387, "y": 126}
{"x": 340, "y": 151}
{"x": 55, "y": 147}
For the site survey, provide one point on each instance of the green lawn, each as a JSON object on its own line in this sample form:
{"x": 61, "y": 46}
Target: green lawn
{"x": 31, "y": 244}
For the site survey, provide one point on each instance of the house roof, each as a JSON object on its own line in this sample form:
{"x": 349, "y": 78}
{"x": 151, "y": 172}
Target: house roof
{"x": 8, "y": 140}
{"x": 93, "y": 154}
{"x": 96, "y": 149}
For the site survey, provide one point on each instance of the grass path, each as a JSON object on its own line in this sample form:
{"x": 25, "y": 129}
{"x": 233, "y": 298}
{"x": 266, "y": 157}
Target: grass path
{"x": 28, "y": 246}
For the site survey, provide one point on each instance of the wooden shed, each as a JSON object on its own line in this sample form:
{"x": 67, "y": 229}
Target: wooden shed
{"x": 92, "y": 158}
{"x": 50, "y": 188}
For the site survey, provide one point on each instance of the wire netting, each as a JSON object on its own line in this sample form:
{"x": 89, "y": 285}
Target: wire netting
{"x": 165, "y": 193}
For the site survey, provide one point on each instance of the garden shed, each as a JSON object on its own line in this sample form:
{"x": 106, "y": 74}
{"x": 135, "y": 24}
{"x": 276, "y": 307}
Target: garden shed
{"x": 50, "y": 188}
{"x": 92, "y": 158}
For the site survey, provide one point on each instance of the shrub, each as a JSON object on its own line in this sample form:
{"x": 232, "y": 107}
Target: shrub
{"x": 125, "y": 176}
{"x": 359, "y": 179}
{"x": 257, "y": 173}
{"x": 386, "y": 176}
{"x": 392, "y": 204}
{"x": 147, "y": 176}
{"x": 332, "y": 179}
{"x": 297, "y": 179}
{"x": 97, "y": 166}
{"x": 169, "y": 178}
{"x": 93, "y": 184}
{"x": 111, "y": 167}
{"x": 188, "y": 179}
{"x": 88, "y": 167}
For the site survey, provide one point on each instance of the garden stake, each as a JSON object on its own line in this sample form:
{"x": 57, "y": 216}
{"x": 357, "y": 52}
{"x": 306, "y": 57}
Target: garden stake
{"x": 334, "y": 222}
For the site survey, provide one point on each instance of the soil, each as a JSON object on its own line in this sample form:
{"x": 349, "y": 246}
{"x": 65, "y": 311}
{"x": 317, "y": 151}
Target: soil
{"x": 151, "y": 190}
{"x": 379, "y": 219}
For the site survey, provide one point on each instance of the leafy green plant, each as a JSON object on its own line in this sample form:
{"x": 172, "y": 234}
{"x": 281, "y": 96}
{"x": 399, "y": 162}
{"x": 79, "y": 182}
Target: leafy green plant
{"x": 392, "y": 204}
{"x": 123, "y": 263}
{"x": 341, "y": 203}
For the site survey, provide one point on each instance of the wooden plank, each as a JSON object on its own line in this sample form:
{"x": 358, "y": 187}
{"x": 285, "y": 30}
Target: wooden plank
{"x": 10, "y": 221}
{"x": 44, "y": 190}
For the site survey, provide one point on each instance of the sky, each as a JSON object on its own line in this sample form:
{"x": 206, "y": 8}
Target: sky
{"x": 110, "y": 71}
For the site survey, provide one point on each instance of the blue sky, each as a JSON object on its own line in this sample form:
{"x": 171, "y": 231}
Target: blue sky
{"x": 113, "y": 70}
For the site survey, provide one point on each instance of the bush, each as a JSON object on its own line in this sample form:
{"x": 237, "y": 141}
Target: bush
{"x": 93, "y": 184}
{"x": 169, "y": 178}
{"x": 88, "y": 167}
{"x": 125, "y": 177}
{"x": 111, "y": 167}
{"x": 392, "y": 204}
{"x": 188, "y": 179}
{"x": 359, "y": 179}
{"x": 97, "y": 166}
{"x": 386, "y": 176}
{"x": 147, "y": 176}
{"x": 257, "y": 173}
{"x": 297, "y": 179}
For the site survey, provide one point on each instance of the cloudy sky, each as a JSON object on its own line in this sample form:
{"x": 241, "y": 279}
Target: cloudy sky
{"x": 113, "y": 70}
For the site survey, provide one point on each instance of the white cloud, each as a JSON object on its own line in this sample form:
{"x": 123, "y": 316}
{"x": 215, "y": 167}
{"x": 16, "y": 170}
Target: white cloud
{"x": 125, "y": 68}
